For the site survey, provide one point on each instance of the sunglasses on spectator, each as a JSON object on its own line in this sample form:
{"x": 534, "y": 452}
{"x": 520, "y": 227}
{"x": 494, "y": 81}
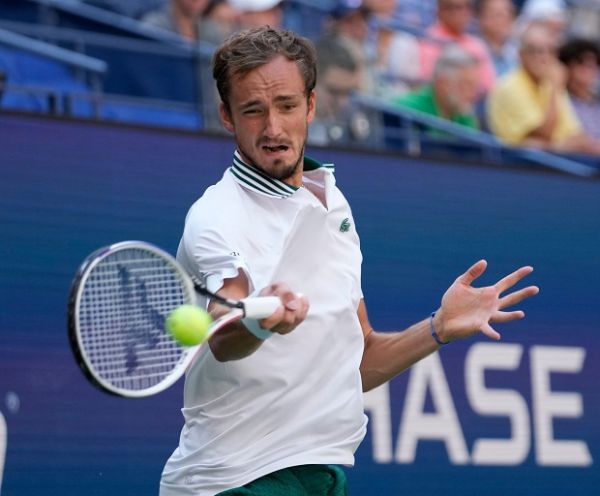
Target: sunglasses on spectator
{"x": 539, "y": 49}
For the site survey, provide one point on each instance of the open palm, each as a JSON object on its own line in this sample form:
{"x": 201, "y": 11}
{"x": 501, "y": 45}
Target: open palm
{"x": 466, "y": 310}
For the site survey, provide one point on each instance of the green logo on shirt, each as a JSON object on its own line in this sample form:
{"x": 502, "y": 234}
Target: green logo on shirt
{"x": 345, "y": 225}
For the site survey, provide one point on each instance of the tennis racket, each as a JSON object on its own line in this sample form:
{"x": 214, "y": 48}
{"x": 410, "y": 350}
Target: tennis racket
{"x": 118, "y": 303}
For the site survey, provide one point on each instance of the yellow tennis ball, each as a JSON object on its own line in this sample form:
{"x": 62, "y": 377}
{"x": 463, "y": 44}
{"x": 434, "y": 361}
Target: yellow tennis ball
{"x": 188, "y": 324}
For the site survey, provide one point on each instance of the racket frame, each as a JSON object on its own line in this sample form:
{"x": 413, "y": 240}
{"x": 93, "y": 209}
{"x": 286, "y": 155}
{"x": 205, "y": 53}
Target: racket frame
{"x": 75, "y": 338}
{"x": 254, "y": 307}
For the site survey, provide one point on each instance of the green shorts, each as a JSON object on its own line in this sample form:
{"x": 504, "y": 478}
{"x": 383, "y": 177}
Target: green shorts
{"x": 304, "y": 480}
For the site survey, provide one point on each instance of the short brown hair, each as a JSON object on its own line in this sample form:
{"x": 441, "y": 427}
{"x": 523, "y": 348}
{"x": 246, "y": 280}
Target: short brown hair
{"x": 252, "y": 48}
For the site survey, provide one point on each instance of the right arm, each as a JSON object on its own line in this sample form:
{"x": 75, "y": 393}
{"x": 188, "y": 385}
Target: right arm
{"x": 556, "y": 79}
{"x": 235, "y": 341}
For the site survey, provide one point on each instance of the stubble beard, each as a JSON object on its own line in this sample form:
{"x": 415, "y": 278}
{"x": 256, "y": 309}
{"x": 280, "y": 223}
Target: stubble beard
{"x": 280, "y": 170}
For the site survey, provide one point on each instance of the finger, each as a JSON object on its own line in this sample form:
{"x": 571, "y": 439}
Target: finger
{"x": 287, "y": 324}
{"x": 273, "y": 319}
{"x": 489, "y": 331}
{"x": 292, "y": 318}
{"x": 473, "y": 273}
{"x": 290, "y": 301}
{"x": 275, "y": 289}
{"x": 518, "y": 296}
{"x": 304, "y": 306}
{"x": 507, "y": 316}
{"x": 512, "y": 279}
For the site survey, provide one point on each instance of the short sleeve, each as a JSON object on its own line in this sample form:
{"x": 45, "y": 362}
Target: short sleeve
{"x": 512, "y": 113}
{"x": 209, "y": 253}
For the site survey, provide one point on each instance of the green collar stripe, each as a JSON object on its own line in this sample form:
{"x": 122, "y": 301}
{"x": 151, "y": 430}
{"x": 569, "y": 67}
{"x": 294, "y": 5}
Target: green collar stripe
{"x": 257, "y": 180}
{"x": 250, "y": 183}
{"x": 253, "y": 174}
{"x": 311, "y": 164}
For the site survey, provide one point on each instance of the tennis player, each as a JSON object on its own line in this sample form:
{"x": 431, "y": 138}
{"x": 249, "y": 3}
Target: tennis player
{"x": 274, "y": 407}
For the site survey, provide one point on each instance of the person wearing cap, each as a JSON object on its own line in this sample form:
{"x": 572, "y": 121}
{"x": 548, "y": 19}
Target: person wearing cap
{"x": 386, "y": 57}
{"x": 397, "y": 67}
{"x": 184, "y": 17}
{"x": 338, "y": 120}
{"x": 551, "y": 13}
{"x": 258, "y": 13}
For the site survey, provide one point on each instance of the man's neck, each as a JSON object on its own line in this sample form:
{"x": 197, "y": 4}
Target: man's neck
{"x": 495, "y": 44}
{"x": 443, "y": 107}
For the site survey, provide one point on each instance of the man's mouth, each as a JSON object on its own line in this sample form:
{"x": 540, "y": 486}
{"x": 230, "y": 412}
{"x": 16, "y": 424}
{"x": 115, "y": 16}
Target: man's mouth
{"x": 275, "y": 148}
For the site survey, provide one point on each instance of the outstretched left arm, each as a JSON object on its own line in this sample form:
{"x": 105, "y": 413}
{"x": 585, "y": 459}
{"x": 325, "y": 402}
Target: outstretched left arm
{"x": 465, "y": 310}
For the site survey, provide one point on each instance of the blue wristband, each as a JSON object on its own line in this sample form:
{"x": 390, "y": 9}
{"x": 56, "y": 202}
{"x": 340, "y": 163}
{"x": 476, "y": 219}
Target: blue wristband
{"x": 254, "y": 327}
{"x": 435, "y": 334}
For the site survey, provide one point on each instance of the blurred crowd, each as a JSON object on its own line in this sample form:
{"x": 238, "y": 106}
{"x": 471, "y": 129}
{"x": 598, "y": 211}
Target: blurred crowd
{"x": 526, "y": 71}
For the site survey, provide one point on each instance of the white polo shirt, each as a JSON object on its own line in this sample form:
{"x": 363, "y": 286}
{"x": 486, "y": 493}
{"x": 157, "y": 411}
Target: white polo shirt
{"x": 298, "y": 399}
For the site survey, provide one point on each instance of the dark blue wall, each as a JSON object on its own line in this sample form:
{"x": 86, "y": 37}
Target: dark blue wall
{"x": 68, "y": 188}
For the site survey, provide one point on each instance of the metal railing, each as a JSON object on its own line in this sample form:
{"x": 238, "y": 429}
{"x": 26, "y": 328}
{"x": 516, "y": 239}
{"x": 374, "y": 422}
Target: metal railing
{"x": 82, "y": 64}
{"x": 411, "y": 139}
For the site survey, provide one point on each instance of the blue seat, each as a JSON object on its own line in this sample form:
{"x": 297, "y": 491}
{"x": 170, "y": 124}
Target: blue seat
{"x": 161, "y": 116}
{"x": 48, "y": 81}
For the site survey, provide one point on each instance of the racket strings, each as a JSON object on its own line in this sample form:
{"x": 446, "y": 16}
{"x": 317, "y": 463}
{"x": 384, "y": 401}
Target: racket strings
{"x": 125, "y": 301}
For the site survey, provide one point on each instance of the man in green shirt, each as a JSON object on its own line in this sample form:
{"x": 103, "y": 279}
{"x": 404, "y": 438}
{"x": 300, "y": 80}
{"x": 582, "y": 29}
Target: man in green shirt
{"x": 454, "y": 91}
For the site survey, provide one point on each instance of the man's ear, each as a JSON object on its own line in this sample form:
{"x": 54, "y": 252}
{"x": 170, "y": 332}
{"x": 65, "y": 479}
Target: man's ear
{"x": 312, "y": 106}
{"x": 226, "y": 118}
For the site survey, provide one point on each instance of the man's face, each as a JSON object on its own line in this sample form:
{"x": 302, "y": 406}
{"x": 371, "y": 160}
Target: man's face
{"x": 460, "y": 89}
{"x": 583, "y": 73}
{"x": 538, "y": 52}
{"x": 496, "y": 19}
{"x": 354, "y": 25}
{"x": 269, "y": 116}
{"x": 455, "y": 14}
{"x": 336, "y": 84}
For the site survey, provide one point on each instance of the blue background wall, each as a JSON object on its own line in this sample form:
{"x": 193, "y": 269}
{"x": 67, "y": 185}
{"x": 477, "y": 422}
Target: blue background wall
{"x": 68, "y": 188}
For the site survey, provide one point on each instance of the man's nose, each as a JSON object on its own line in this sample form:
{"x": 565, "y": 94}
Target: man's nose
{"x": 273, "y": 125}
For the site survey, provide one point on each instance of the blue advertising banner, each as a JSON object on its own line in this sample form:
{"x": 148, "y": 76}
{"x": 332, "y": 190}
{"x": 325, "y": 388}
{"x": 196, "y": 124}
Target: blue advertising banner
{"x": 477, "y": 418}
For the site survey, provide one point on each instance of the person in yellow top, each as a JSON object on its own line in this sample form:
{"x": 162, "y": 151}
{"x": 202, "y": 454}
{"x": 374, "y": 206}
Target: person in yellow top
{"x": 530, "y": 106}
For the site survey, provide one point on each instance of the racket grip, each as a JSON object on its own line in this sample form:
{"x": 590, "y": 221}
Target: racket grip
{"x": 259, "y": 307}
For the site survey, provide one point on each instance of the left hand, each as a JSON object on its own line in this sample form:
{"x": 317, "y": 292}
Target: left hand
{"x": 467, "y": 310}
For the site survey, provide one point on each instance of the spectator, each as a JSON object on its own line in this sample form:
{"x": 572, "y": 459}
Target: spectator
{"x": 496, "y": 22}
{"x": 454, "y": 90}
{"x": 348, "y": 25}
{"x": 220, "y": 19}
{"x": 258, "y": 13}
{"x": 582, "y": 58}
{"x": 395, "y": 52}
{"x": 453, "y": 19}
{"x": 551, "y": 13}
{"x": 337, "y": 119}
{"x": 385, "y": 56}
{"x": 184, "y": 18}
{"x": 530, "y": 105}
